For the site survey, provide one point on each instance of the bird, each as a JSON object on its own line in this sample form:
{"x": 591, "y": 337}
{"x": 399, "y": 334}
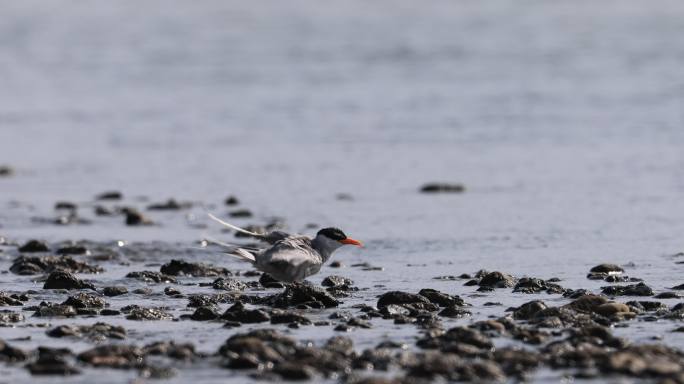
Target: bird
{"x": 289, "y": 258}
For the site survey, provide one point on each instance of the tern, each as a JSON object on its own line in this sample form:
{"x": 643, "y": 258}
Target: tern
{"x": 289, "y": 258}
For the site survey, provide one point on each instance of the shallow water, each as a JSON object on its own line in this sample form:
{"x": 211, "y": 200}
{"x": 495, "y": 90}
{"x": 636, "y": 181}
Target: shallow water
{"x": 563, "y": 120}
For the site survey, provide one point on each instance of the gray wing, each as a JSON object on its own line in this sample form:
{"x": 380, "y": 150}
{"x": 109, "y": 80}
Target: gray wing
{"x": 290, "y": 259}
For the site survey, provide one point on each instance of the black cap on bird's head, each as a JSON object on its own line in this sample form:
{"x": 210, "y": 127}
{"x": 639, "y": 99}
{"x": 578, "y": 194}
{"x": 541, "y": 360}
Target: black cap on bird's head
{"x": 337, "y": 235}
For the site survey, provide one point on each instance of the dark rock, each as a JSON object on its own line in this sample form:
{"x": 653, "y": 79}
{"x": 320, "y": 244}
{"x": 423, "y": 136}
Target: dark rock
{"x": 169, "y": 205}
{"x": 109, "y": 195}
{"x": 607, "y": 268}
{"x": 148, "y": 314}
{"x": 85, "y": 300}
{"x": 65, "y": 205}
{"x": 110, "y": 312}
{"x": 647, "y": 306}
{"x": 263, "y": 346}
{"x": 54, "y": 310}
{"x": 97, "y": 332}
{"x": 65, "y": 280}
{"x": 611, "y": 309}
{"x": 205, "y": 314}
{"x": 171, "y": 349}
{"x": 11, "y": 354}
{"x": 666, "y": 295}
{"x": 113, "y": 356}
{"x": 202, "y": 301}
{"x": 10, "y": 317}
{"x": 678, "y": 287}
{"x": 180, "y": 267}
{"x": 442, "y": 188}
{"x": 6, "y": 171}
{"x": 399, "y": 298}
{"x": 533, "y": 285}
{"x": 267, "y": 281}
{"x": 336, "y": 264}
{"x": 238, "y": 313}
{"x": 33, "y": 246}
{"x": 142, "y": 291}
{"x": 170, "y": 291}
{"x": 231, "y": 200}
{"x": 228, "y": 284}
{"x": 51, "y": 362}
{"x": 31, "y": 265}
{"x": 640, "y": 289}
{"x": 336, "y": 281}
{"x": 152, "y": 277}
{"x": 241, "y": 213}
{"x": 529, "y": 309}
{"x": 6, "y": 300}
{"x": 72, "y": 250}
{"x": 497, "y": 280}
{"x": 471, "y": 283}
{"x": 441, "y": 299}
{"x": 454, "y": 311}
{"x": 587, "y": 303}
{"x": 281, "y": 317}
{"x": 293, "y": 371}
{"x": 134, "y": 218}
{"x": 301, "y": 294}
{"x": 114, "y": 291}
{"x": 100, "y": 210}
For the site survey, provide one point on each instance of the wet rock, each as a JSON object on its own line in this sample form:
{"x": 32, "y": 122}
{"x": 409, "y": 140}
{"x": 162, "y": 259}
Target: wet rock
{"x": 33, "y": 246}
{"x": 6, "y": 300}
{"x": 11, "y": 354}
{"x": 301, "y": 294}
{"x": 185, "y": 351}
{"x": 394, "y": 310}
{"x": 640, "y": 289}
{"x": 667, "y": 295}
{"x": 85, "y": 300}
{"x": 170, "y": 291}
{"x": 587, "y": 303}
{"x": 135, "y": 218}
{"x": 113, "y": 356}
{"x": 157, "y": 373}
{"x": 109, "y": 195}
{"x": 400, "y": 298}
{"x": 142, "y": 291}
{"x": 529, "y": 310}
{"x": 65, "y": 205}
{"x": 180, "y": 267}
{"x": 10, "y": 317}
{"x": 240, "y": 314}
{"x": 152, "y": 277}
{"x": 282, "y": 317}
{"x": 607, "y": 268}
{"x": 231, "y": 200}
{"x": 293, "y": 371}
{"x": 241, "y": 213}
{"x": 169, "y": 205}
{"x": 336, "y": 264}
{"x": 336, "y": 281}
{"x": 54, "y": 310}
{"x": 647, "y": 306}
{"x": 114, "y": 291}
{"x": 65, "y": 280}
{"x": 97, "y": 332}
{"x": 72, "y": 250}
{"x": 255, "y": 348}
{"x": 228, "y": 284}
{"x": 269, "y": 282}
{"x": 611, "y": 309}
{"x": 202, "y": 301}
{"x": 6, "y": 171}
{"x": 497, "y": 280}
{"x": 440, "y": 298}
{"x": 148, "y": 314}
{"x": 205, "y": 314}
{"x": 442, "y": 188}
{"x": 25, "y": 265}
{"x": 51, "y": 362}
{"x": 454, "y": 311}
{"x": 531, "y": 285}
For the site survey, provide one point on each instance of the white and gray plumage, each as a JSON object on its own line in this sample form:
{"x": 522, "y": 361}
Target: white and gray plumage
{"x": 289, "y": 258}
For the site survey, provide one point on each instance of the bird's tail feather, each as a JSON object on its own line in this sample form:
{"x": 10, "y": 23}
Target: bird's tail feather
{"x": 233, "y": 227}
{"x": 233, "y": 250}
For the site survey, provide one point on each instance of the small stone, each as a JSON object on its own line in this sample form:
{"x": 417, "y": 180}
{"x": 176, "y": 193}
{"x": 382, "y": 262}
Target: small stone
{"x": 241, "y": 213}
{"x": 65, "y": 280}
{"x": 497, "y": 280}
{"x": 336, "y": 281}
{"x": 33, "y": 246}
{"x": 85, "y": 300}
{"x": 610, "y": 309}
{"x": 442, "y": 188}
{"x": 181, "y": 267}
{"x": 205, "y": 314}
{"x": 454, "y": 311}
{"x": 109, "y": 195}
{"x": 135, "y": 218}
{"x": 148, "y": 314}
{"x": 231, "y": 200}
{"x": 170, "y": 291}
{"x": 152, "y": 277}
{"x": 114, "y": 291}
{"x": 398, "y": 298}
{"x": 228, "y": 284}
{"x": 607, "y": 268}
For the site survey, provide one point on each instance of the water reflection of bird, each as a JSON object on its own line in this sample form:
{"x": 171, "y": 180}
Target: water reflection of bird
{"x": 288, "y": 257}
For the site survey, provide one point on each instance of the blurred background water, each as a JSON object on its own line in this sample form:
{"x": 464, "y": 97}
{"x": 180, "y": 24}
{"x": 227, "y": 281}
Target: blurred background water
{"x": 564, "y": 119}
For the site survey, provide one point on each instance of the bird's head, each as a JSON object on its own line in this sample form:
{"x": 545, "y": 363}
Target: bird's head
{"x": 335, "y": 236}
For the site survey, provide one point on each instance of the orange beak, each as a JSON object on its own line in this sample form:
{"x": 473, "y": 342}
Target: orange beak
{"x": 351, "y": 242}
